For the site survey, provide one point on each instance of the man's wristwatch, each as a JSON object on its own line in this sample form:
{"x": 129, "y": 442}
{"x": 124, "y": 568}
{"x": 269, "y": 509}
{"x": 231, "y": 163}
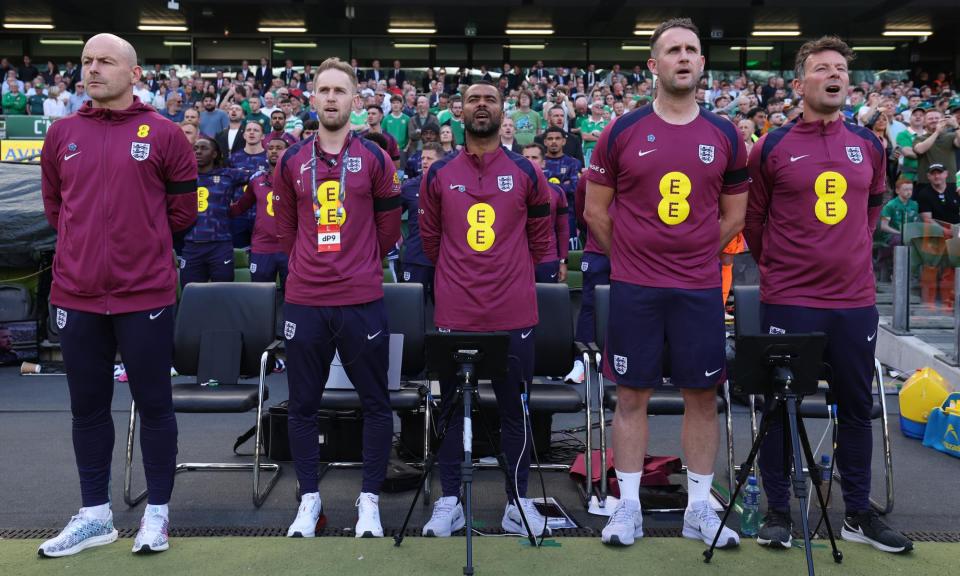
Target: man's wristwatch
{"x": 563, "y": 260}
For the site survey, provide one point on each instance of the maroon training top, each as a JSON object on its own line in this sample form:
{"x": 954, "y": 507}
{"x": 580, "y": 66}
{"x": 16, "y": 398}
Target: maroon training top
{"x": 259, "y": 191}
{"x": 485, "y": 222}
{"x": 116, "y": 183}
{"x": 559, "y": 223}
{"x": 667, "y": 182}
{"x": 369, "y": 229}
{"x": 815, "y": 197}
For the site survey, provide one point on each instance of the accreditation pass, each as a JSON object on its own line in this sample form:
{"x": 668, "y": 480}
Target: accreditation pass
{"x": 328, "y": 237}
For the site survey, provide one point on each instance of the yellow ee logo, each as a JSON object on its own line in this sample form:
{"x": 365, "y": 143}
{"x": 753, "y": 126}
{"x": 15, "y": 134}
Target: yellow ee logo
{"x": 270, "y": 203}
{"x": 143, "y": 131}
{"x": 480, "y": 235}
{"x": 202, "y": 199}
{"x": 675, "y": 188}
{"x": 554, "y": 180}
{"x": 830, "y": 187}
{"x": 332, "y": 211}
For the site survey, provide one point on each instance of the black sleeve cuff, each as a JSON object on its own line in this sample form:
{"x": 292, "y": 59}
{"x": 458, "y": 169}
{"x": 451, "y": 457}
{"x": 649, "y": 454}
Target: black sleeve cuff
{"x": 386, "y": 204}
{"x": 735, "y": 177}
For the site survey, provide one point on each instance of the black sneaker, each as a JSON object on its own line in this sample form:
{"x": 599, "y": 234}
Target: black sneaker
{"x": 776, "y": 530}
{"x": 868, "y": 528}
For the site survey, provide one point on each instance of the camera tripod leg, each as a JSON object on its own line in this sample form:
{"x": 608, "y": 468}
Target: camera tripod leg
{"x": 815, "y": 474}
{"x": 799, "y": 477}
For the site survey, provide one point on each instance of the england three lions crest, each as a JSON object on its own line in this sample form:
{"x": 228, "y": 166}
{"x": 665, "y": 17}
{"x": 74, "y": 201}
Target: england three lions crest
{"x": 620, "y": 364}
{"x": 505, "y": 183}
{"x": 854, "y": 154}
{"x": 139, "y": 151}
{"x": 354, "y": 164}
{"x": 707, "y": 153}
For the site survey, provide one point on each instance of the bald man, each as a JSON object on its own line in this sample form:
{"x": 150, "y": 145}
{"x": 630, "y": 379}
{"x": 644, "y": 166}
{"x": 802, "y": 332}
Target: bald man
{"x": 119, "y": 180}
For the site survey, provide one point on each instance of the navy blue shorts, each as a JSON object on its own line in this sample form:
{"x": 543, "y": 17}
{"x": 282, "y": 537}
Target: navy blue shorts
{"x": 643, "y": 318}
{"x": 206, "y": 262}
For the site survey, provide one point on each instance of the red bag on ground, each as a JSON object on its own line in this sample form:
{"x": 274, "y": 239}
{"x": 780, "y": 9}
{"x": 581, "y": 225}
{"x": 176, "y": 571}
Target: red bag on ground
{"x": 656, "y": 470}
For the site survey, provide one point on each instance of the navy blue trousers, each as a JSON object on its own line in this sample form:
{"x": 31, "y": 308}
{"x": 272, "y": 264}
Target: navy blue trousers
{"x": 851, "y": 344}
{"x": 266, "y": 267}
{"x": 206, "y": 262}
{"x": 517, "y": 452}
{"x": 547, "y": 272}
{"x": 360, "y": 334}
{"x": 89, "y": 344}
{"x": 420, "y": 274}
{"x": 596, "y": 272}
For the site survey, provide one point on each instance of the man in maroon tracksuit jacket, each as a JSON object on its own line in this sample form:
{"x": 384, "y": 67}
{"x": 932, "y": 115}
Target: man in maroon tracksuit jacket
{"x": 118, "y": 180}
{"x": 338, "y": 213}
{"x": 485, "y": 222}
{"x": 816, "y": 189}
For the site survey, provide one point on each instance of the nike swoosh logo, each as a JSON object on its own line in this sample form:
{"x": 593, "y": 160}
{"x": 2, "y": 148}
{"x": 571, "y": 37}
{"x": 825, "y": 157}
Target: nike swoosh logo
{"x": 372, "y": 336}
{"x": 709, "y": 374}
{"x": 69, "y": 156}
{"x": 642, "y": 153}
{"x": 225, "y": 262}
{"x": 305, "y": 167}
{"x": 870, "y": 338}
{"x": 524, "y": 336}
{"x": 795, "y": 158}
{"x": 157, "y": 315}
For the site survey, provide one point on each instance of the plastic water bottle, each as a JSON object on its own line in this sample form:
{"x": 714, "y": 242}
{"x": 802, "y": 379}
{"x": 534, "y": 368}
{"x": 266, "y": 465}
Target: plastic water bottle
{"x": 750, "y": 519}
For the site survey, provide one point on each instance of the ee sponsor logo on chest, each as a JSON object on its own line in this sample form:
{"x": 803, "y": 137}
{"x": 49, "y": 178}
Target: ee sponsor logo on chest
{"x": 830, "y": 188}
{"x": 675, "y": 187}
{"x": 480, "y": 234}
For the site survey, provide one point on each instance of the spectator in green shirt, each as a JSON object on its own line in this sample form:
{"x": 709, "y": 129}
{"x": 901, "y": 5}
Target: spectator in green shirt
{"x": 526, "y": 120}
{"x": 14, "y": 101}
{"x": 899, "y": 211}
{"x": 396, "y": 123}
{"x": 255, "y": 115}
{"x": 905, "y": 140}
{"x": 35, "y": 104}
{"x": 590, "y": 129}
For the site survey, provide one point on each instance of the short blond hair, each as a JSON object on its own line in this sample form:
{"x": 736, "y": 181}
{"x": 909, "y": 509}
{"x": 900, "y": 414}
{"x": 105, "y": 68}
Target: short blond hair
{"x": 338, "y": 64}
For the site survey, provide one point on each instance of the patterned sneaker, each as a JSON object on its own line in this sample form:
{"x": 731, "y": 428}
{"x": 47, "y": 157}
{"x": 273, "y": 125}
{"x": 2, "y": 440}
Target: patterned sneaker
{"x": 868, "y": 528}
{"x": 305, "y": 525}
{"x": 776, "y": 530}
{"x": 513, "y": 523}
{"x": 447, "y": 518}
{"x": 700, "y": 522}
{"x": 82, "y": 532}
{"x": 625, "y": 524}
{"x": 368, "y": 516}
{"x": 152, "y": 536}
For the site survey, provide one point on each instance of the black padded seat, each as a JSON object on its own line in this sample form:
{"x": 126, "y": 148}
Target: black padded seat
{"x": 225, "y": 398}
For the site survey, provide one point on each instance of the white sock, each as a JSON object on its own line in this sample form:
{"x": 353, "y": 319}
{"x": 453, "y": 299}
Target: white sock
{"x": 158, "y": 510}
{"x": 698, "y": 487}
{"x": 310, "y": 495}
{"x": 374, "y": 497}
{"x": 629, "y": 485}
{"x": 101, "y": 512}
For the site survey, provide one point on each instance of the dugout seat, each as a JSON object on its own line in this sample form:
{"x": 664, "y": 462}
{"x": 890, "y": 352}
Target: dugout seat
{"x": 748, "y": 321}
{"x": 405, "y": 315}
{"x": 666, "y": 401}
{"x": 217, "y": 322}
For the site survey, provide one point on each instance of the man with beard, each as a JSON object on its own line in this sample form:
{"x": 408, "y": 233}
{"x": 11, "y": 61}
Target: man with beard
{"x": 822, "y": 180}
{"x": 678, "y": 176}
{"x": 278, "y": 120}
{"x": 563, "y": 170}
{"x": 212, "y": 120}
{"x": 267, "y": 259}
{"x": 338, "y": 214}
{"x": 232, "y": 139}
{"x": 485, "y": 223}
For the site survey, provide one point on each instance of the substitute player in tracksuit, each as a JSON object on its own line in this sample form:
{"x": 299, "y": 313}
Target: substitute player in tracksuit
{"x": 416, "y": 266}
{"x": 267, "y": 258}
{"x": 118, "y": 179}
{"x": 816, "y": 191}
{"x": 486, "y": 222}
{"x": 207, "y": 253}
{"x": 338, "y": 214}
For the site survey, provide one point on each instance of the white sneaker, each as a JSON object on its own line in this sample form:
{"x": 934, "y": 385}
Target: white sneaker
{"x": 305, "y": 525}
{"x": 576, "y": 375}
{"x": 368, "y": 516}
{"x": 447, "y": 518}
{"x": 82, "y": 532}
{"x": 152, "y": 536}
{"x": 625, "y": 524}
{"x": 700, "y": 522}
{"x": 513, "y": 523}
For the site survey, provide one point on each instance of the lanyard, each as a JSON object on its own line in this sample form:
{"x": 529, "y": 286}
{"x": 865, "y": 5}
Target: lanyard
{"x": 343, "y": 180}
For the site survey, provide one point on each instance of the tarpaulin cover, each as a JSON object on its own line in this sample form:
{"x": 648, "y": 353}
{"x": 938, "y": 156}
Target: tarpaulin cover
{"x": 24, "y": 232}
